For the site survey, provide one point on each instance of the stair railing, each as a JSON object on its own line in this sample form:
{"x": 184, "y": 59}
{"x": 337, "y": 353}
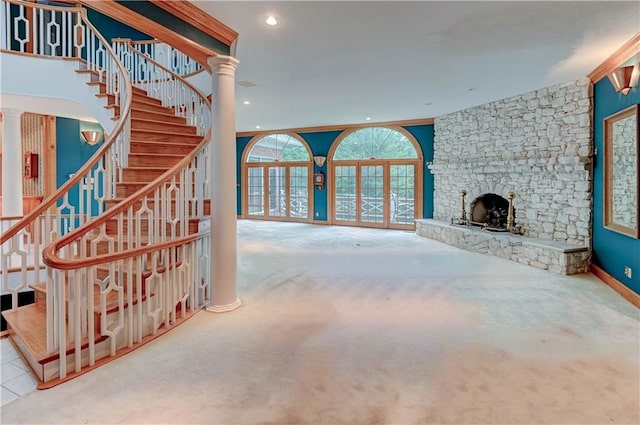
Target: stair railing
{"x": 169, "y": 57}
{"x": 64, "y": 33}
{"x": 142, "y": 265}
{"x": 162, "y": 83}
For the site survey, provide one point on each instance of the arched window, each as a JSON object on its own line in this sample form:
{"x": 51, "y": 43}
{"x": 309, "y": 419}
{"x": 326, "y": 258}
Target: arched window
{"x": 278, "y": 147}
{"x": 277, "y": 178}
{"x": 376, "y": 178}
{"x": 375, "y": 143}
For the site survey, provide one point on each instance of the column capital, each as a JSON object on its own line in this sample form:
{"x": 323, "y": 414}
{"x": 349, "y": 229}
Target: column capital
{"x": 224, "y": 65}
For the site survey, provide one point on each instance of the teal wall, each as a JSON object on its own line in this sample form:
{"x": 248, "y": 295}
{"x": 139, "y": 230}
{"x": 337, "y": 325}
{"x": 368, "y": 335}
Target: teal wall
{"x": 611, "y": 251}
{"x": 72, "y": 153}
{"x": 320, "y": 143}
{"x": 161, "y": 16}
{"x": 110, "y": 28}
{"x": 241, "y": 143}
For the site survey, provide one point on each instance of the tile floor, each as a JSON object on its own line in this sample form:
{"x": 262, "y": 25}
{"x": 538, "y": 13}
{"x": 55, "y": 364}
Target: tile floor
{"x": 17, "y": 379}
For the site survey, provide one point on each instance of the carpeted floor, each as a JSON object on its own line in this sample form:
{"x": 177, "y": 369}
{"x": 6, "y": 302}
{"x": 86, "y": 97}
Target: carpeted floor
{"x": 362, "y": 326}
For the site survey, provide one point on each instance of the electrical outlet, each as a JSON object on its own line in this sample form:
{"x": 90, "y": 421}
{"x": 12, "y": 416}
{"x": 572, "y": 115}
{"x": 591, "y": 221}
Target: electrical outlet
{"x": 627, "y": 272}
{"x": 317, "y": 214}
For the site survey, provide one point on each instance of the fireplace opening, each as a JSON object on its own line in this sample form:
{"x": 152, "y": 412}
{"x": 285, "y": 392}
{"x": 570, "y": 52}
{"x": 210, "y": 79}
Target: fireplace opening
{"x": 491, "y": 211}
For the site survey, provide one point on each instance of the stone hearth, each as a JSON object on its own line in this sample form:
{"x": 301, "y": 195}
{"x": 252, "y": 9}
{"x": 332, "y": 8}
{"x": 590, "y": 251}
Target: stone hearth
{"x": 557, "y": 257}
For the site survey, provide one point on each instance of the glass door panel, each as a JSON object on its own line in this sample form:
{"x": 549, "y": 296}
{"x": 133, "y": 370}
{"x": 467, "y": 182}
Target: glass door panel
{"x": 277, "y": 192}
{"x": 372, "y": 205}
{"x": 345, "y": 193}
{"x": 299, "y": 192}
{"x": 255, "y": 191}
{"x": 402, "y": 193}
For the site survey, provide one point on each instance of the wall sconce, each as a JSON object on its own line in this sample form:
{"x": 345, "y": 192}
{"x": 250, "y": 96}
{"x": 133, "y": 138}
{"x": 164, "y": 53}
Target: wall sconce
{"x": 91, "y": 137}
{"x": 624, "y": 78}
{"x": 319, "y": 160}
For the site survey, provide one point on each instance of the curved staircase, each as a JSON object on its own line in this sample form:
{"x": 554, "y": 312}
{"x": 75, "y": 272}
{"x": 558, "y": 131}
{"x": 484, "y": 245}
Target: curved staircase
{"x": 128, "y": 272}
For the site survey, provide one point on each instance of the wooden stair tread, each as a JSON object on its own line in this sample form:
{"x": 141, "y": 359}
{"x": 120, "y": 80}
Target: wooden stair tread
{"x": 163, "y": 126}
{"x": 137, "y": 90}
{"x": 157, "y": 155}
{"x": 111, "y": 297}
{"x": 146, "y": 168}
{"x": 145, "y": 146}
{"x": 30, "y": 325}
{"x": 167, "y": 133}
{"x": 167, "y": 116}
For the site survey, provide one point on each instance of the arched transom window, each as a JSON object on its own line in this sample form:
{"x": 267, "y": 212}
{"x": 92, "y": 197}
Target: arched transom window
{"x": 278, "y": 147}
{"x": 375, "y": 143}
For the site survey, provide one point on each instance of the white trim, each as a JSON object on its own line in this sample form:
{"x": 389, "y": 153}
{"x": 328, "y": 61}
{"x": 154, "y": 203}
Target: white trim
{"x": 225, "y": 308}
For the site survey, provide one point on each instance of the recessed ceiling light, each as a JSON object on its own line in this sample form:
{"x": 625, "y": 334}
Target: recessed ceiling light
{"x": 257, "y": 126}
{"x": 368, "y": 118}
{"x": 246, "y": 102}
{"x": 271, "y": 20}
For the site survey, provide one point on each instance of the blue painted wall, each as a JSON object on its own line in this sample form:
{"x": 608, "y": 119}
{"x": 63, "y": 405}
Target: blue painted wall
{"x": 320, "y": 143}
{"x": 72, "y": 153}
{"x": 110, "y": 28}
{"x": 611, "y": 251}
{"x": 424, "y": 136}
{"x": 241, "y": 143}
{"x": 161, "y": 16}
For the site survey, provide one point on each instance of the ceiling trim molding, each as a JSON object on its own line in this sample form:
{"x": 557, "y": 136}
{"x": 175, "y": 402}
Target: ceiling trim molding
{"x": 317, "y": 129}
{"x": 152, "y": 28}
{"x": 198, "y": 18}
{"x": 620, "y": 56}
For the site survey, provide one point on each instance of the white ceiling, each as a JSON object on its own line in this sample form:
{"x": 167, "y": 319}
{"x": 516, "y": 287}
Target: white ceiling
{"x": 331, "y": 62}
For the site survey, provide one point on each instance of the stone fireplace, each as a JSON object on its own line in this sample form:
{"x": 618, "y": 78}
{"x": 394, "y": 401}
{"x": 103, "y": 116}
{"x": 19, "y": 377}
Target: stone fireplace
{"x": 538, "y": 146}
{"x": 490, "y": 211}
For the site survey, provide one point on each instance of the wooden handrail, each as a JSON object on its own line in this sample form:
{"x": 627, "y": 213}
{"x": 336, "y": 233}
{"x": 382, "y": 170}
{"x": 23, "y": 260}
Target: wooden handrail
{"x": 150, "y": 27}
{"x": 173, "y": 74}
{"x": 50, "y": 253}
{"x": 124, "y": 204}
{"x": 109, "y": 139}
{"x": 52, "y": 260}
{"x": 203, "y": 67}
{"x": 195, "y": 16}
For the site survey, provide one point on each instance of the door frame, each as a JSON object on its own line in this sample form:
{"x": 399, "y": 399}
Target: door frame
{"x": 386, "y": 188}
{"x": 418, "y": 176}
{"x": 265, "y": 182}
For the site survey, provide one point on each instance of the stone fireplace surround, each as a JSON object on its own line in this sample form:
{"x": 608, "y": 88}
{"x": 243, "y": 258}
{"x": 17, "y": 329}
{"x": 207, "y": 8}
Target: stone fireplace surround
{"x": 537, "y": 145}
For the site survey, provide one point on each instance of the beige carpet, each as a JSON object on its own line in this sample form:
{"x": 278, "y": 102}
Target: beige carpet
{"x": 362, "y": 326}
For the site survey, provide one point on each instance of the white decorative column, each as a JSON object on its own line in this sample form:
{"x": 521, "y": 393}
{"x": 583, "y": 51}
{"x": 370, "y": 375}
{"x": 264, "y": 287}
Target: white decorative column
{"x": 222, "y": 172}
{"x": 11, "y": 163}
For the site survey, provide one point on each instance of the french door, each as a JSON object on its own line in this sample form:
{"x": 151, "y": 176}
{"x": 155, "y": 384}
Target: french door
{"x": 278, "y": 191}
{"x": 375, "y": 193}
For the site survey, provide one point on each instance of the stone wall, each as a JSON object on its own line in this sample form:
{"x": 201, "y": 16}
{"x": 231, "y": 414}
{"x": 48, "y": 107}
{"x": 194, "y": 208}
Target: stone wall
{"x": 537, "y": 145}
{"x": 625, "y": 158}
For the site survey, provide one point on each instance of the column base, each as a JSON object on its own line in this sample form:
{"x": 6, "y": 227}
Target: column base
{"x": 224, "y": 308}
